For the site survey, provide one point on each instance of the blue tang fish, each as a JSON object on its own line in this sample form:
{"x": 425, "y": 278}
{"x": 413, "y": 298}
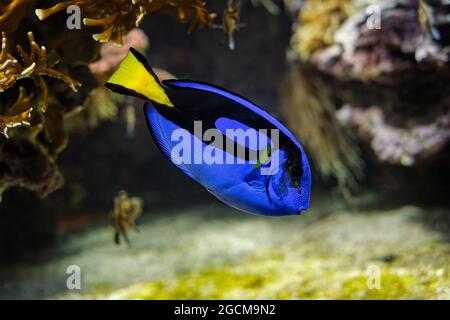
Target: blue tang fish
{"x": 236, "y": 150}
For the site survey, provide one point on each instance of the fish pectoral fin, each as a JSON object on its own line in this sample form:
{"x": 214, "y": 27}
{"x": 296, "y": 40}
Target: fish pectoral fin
{"x": 261, "y": 185}
{"x": 263, "y": 157}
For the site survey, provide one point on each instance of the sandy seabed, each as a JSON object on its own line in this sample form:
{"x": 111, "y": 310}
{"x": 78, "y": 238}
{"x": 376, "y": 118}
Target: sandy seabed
{"x": 215, "y": 252}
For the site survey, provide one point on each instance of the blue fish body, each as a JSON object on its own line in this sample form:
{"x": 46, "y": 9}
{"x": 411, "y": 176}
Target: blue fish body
{"x": 241, "y": 186}
{"x": 241, "y": 154}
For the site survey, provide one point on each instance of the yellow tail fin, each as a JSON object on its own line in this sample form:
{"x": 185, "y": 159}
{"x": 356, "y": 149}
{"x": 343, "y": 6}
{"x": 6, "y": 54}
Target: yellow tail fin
{"x": 135, "y": 77}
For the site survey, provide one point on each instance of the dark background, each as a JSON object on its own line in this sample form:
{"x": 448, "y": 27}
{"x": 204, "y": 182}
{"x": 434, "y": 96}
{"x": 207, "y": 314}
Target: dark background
{"x": 100, "y": 162}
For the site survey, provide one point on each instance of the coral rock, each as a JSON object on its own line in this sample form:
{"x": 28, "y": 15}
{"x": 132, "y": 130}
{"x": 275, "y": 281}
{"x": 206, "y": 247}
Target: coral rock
{"x": 388, "y": 81}
{"x": 22, "y": 164}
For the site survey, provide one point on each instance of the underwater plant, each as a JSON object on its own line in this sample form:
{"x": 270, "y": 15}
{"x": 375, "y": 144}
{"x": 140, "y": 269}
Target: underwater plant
{"x": 117, "y": 17}
{"x": 34, "y": 66}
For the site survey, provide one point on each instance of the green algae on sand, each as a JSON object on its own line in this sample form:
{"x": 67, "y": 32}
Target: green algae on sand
{"x": 329, "y": 258}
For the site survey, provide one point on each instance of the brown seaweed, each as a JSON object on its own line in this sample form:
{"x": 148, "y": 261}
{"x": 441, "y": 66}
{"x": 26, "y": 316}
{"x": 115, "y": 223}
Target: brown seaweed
{"x": 118, "y": 17}
{"x": 12, "y": 12}
{"x": 33, "y": 65}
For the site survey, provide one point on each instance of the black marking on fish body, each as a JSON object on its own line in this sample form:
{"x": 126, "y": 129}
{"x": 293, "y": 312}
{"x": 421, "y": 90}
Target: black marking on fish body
{"x": 125, "y": 91}
{"x": 208, "y": 107}
{"x": 192, "y": 104}
{"x": 145, "y": 63}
